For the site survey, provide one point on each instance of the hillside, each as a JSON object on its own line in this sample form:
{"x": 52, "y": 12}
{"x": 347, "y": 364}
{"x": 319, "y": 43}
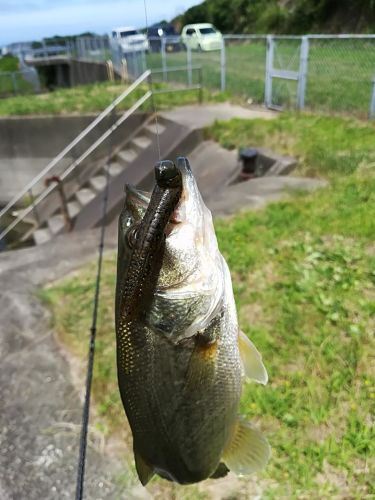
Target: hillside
{"x": 284, "y": 16}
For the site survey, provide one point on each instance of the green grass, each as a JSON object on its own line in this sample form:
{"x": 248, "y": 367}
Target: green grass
{"x": 95, "y": 97}
{"x": 304, "y": 281}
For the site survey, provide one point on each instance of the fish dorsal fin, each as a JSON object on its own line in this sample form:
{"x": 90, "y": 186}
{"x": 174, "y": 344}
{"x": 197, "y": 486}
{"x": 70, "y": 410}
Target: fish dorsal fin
{"x": 248, "y": 451}
{"x": 144, "y": 471}
{"x": 251, "y": 359}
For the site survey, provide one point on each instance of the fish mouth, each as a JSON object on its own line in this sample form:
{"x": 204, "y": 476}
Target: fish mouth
{"x": 167, "y": 175}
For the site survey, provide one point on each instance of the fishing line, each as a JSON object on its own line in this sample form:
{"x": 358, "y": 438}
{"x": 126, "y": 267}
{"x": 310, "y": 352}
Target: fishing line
{"x": 90, "y": 363}
{"x": 91, "y": 354}
{"x": 152, "y": 97}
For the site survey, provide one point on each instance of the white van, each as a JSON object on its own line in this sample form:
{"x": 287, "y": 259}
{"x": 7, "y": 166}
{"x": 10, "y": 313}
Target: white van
{"x": 201, "y": 36}
{"x": 130, "y": 39}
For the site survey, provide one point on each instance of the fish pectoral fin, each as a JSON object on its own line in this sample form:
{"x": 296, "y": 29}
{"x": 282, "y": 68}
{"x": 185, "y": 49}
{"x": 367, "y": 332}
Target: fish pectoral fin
{"x": 251, "y": 360}
{"x": 144, "y": 471}
{"x": 248, "y": 451}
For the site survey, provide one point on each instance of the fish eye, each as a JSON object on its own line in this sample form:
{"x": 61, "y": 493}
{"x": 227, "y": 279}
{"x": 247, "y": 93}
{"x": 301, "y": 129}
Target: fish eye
{"x": 132, "y": 235}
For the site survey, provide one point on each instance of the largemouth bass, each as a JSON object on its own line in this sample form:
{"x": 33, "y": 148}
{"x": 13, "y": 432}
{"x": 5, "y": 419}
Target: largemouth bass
{"x": 181, "y": 358}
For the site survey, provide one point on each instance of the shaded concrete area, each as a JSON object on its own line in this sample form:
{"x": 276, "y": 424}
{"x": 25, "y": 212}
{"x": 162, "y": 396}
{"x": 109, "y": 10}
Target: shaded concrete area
{"x": 40, "y": 413}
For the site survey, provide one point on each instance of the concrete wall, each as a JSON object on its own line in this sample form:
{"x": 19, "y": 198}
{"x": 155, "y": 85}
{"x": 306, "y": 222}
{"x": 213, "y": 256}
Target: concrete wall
{"x": 82, "y": 72}
{"x": 27, "y": 144}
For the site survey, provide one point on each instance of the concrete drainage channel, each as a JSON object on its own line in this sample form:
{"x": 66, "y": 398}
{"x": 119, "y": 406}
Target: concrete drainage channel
{"x": 229, "y": 184}
{"x": 228, "y": 181}
{"x": 262, "y": 162}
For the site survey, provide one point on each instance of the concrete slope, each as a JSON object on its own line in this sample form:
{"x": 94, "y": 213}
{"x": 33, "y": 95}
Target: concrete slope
{"x": 213, "y": 167}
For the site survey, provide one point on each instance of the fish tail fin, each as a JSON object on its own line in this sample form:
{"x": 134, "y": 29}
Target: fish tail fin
{"x": 145, "y": 472}
{"x": 248, "y": 450}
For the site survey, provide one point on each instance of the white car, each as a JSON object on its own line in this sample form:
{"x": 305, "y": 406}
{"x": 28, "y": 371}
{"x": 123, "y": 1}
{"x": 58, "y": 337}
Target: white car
{"x": 202, "y": 36}
{"x": 130, "y": 39}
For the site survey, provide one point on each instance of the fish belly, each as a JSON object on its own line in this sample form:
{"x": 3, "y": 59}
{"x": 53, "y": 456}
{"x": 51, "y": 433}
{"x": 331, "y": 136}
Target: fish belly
{"x": 181, "y": 402}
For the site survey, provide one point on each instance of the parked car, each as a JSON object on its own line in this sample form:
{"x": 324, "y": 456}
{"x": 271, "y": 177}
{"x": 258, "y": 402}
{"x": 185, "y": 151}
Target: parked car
{"x": 163, "y": 33}
{"x": 203, "y": 36}
{"x": 130, "y": 39}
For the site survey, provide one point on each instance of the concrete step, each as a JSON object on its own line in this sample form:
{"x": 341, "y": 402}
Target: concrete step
{"x": 154, "y": 129}
{"x": 141, "y": 142}
{"x": 84, "y": 196}
{"x": 73, "y": 208}
{"x": 56, "y": 223}
{"x": 98, "y": 182}
{"x": 42, "y": 236}
{"x": 126, "y": 156}
{"x": 115, "y": 169}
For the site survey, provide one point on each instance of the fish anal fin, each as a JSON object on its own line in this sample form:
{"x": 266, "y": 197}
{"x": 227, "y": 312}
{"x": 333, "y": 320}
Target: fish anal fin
{"x": 144, "y": 471}
{"x": 221, "y": 471}
{"x": 251, "y": 360}
{"x": 248, "y": 450}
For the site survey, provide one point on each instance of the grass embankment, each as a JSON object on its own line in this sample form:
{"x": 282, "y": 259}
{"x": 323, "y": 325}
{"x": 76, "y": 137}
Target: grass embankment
{"x": 96, "y": 97}
{"x": 303, "y": 274}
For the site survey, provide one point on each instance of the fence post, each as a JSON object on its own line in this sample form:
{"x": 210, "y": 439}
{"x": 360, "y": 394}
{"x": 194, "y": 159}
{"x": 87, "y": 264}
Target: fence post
{"x": 302, "y": 73}
{"x": 188, "y": 60}
{"x": 372, "y": 103}
{"x": 222, "y": 66}
{"x": 44, "y": 48}
{"x": 14, "y": 83}
{"x": 144, "y": 61}
{"x": 269, "y": 67}
{"x": 163, "y": 59}
{"x": 124, "y": 71}
{"x": 200, "y": 80}
{"x": 103, "y": 48}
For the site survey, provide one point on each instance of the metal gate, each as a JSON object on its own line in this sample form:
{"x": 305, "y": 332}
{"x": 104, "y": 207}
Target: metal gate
{"x": 286, "y": 71}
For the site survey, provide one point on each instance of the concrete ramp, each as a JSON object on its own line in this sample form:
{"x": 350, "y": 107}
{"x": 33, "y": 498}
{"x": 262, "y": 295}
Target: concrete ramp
{"x": 213, "y": 167}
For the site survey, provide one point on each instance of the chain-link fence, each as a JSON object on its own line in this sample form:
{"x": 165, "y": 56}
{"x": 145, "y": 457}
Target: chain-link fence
{"x": 327, "y": 73}
{"x": 341, "y": 74}
{"x": 319, "y": 72}
{"x": 25, "y": 81}
{"x": 245, "y": 66}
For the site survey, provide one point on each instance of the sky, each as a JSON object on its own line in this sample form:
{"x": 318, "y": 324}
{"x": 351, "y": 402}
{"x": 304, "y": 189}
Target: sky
{"x": 24, "y": 20}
